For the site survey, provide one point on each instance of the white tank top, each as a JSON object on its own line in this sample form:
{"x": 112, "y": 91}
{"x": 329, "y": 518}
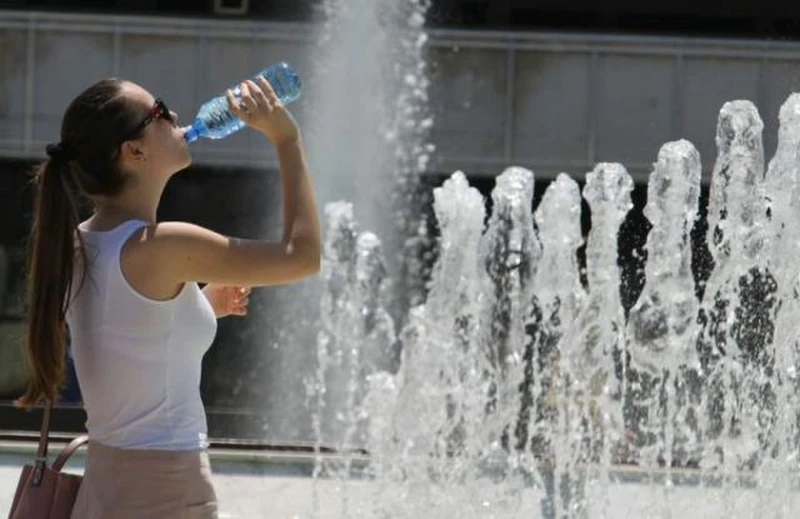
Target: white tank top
{"x": 138, "y": 360}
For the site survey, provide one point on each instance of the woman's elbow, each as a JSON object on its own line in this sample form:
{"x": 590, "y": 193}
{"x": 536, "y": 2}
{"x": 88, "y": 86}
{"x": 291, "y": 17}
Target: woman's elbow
{"x": 312, "y": 264}
{"x": 311, "y": 259}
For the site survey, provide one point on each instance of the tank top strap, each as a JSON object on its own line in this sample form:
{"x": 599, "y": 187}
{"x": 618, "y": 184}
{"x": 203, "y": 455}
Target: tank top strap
{"x": 119, "y": 236}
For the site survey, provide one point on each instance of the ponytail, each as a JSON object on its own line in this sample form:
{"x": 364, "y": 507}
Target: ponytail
{"x": 52, "y": 256}
{"x": 85, "y": 162}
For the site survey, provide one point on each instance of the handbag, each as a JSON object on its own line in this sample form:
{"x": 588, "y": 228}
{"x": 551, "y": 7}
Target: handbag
{"x": 45, "y": 492}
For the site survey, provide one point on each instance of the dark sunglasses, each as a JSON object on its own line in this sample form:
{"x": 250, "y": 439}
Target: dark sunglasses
{"x": 159, "y": 111}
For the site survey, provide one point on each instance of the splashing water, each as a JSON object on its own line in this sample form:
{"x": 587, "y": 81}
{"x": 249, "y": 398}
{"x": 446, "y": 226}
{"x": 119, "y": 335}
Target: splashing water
{"x": 366, "y": 119}
{"x": 508, "y": 388}
{"x": 369, "y": 131}
{"x": 369, "y": 139}
{"x": 520, "y": 391}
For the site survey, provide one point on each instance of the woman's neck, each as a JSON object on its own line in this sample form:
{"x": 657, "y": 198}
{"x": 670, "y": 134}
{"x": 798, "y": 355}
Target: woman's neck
{"x": 131, "y": 204}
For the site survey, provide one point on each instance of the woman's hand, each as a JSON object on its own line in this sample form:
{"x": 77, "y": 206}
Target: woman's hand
{"x": 261, "y": 109}
{"x": 227, "y": 300}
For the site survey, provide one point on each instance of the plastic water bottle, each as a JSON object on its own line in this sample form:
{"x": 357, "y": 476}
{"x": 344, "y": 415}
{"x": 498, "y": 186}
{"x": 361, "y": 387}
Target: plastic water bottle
{"x": 215, "y": 121}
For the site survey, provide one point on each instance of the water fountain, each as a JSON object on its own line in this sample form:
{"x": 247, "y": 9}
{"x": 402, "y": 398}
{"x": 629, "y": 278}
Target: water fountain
{"x": 365, "y": 118}
{"x": 512, "y": 387}
{"x": 514, "y": 375}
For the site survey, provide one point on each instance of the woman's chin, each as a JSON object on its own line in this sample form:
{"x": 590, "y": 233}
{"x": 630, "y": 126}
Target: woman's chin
{"x": 187, "y": 161}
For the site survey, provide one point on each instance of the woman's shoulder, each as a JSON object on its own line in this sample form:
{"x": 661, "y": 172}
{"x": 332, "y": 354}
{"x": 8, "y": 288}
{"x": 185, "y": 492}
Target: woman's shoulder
{"x": 170, "y": 242}
{"x": 170, "y": 234}
{"x": 152, "y": 255}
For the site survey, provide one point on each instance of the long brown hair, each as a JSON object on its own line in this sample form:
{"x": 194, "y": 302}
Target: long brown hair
{"x": 84, "y": 162}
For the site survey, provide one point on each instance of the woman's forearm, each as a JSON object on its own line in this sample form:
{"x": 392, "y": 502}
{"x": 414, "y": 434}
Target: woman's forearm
{"x": 301, "y": 226}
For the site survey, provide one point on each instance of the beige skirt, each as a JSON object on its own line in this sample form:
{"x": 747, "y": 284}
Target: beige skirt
{"x": 145, "y": 484}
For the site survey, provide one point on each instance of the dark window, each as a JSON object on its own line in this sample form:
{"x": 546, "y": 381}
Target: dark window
{"x": 766, "y": 19}
{"x": 264, "y": 9}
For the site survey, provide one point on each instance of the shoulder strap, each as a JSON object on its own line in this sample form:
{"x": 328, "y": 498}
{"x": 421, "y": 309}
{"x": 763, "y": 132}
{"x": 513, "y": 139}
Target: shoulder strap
{"x": 124, "y": 232}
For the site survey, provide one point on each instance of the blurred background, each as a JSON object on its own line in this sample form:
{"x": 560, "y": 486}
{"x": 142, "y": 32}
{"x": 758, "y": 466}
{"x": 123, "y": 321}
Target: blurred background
{"x": 551, "y": 86}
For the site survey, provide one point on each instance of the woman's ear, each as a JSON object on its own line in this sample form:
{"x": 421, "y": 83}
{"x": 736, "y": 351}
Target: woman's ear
{"x": 133, "y": 151}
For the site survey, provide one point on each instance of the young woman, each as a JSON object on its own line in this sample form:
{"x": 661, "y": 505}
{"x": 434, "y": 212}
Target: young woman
{"x": 126, "y": 287}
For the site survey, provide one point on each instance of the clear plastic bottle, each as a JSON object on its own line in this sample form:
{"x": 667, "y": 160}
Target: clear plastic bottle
{"x": 215, "y": 121}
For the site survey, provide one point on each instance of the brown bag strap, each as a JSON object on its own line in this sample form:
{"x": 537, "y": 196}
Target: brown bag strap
{"x": 44, "y": 440}
{"x": 68, "y": 451}
{"x": 41, "y": 452}
{"x": 44, "y": 433}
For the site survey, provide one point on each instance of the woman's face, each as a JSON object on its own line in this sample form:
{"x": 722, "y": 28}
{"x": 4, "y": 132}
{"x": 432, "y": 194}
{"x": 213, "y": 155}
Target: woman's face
{"x": 161, "y": 150}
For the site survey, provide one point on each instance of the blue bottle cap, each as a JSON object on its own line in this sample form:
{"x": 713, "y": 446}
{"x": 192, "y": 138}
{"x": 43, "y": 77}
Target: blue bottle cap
{"x": 191, "y": 134}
